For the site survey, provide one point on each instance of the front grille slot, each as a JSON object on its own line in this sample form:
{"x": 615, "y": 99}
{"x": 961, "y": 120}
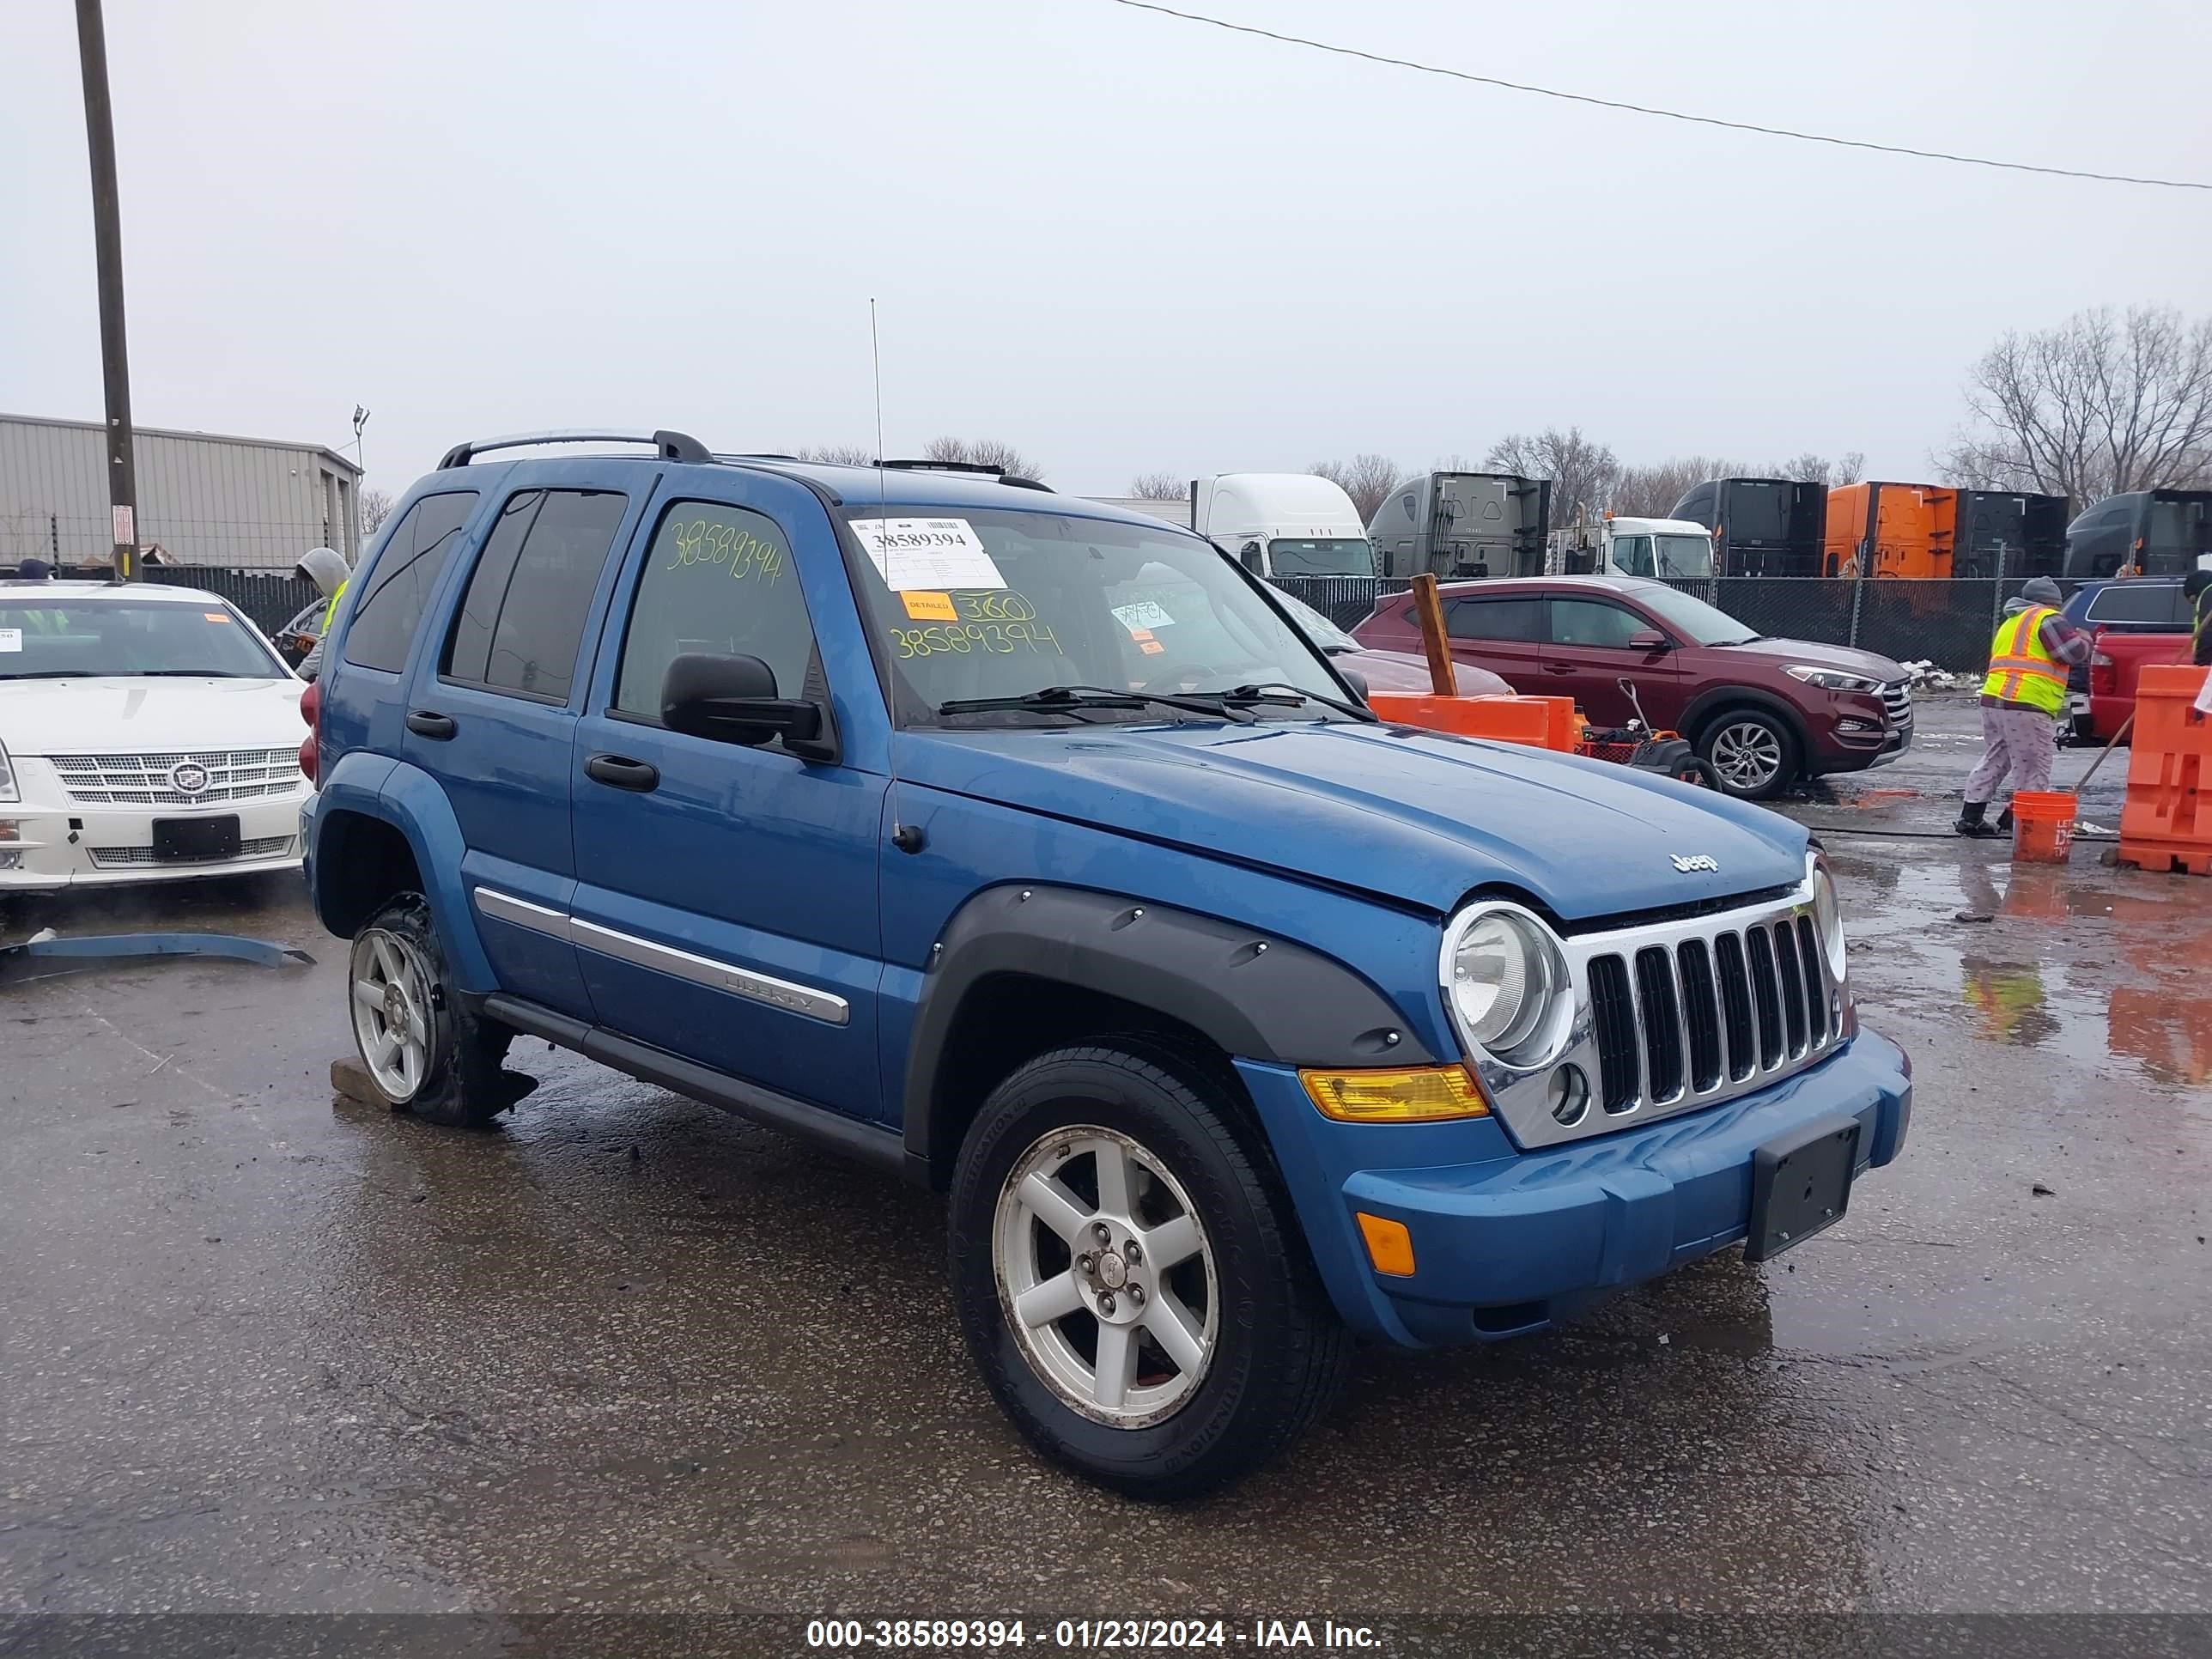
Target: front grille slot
{"x": 1662, "y": 1021}
{"x": 1701, "y": 1012}
{"x": 1759, "y": 949}
{"x": 1816, "y": 987}
{"x": 111, "y": 858}
{"x": 1736, "y": 1007}
{"x": 149, "y": 781}
{"x": 1793, "y": 987}
{"x": 1612, "y": 1011}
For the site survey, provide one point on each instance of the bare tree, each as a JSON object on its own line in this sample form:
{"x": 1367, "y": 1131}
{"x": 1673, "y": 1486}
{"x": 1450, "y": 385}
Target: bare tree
{"x": 1583, "y": 473}
{"x": 375, "y": 507}
{"x": 2099, "y": 405}
{"x": 1650, "y": 492}
{"x": 1158, "y": 487}
{"x": 1367, "y": 478}
{"x": 983, "y": 451}
{"x": 1810, "y": 468}
{"x": 834, "y": 454}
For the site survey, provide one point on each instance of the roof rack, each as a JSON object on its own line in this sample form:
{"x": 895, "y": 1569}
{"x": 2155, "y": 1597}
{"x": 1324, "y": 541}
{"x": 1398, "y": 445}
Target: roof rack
{"x": 985, "y": 468}
{"x": 672, "y": 446}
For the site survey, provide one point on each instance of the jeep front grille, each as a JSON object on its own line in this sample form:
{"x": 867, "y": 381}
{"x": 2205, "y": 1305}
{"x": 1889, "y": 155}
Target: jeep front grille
{"x": 1763, "y": 1011}
{"x": 1674, "y": 1015}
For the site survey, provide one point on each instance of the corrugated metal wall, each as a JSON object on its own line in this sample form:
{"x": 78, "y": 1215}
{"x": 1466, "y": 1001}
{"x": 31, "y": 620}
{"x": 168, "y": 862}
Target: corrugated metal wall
{"x": 230, "y": 502}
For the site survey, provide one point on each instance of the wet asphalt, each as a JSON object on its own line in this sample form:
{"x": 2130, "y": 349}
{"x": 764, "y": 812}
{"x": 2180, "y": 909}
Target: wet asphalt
{"x": 266, "y": 1349}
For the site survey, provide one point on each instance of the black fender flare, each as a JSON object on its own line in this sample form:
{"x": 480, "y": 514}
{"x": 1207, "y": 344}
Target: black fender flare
{"x": 1254, "y": 995}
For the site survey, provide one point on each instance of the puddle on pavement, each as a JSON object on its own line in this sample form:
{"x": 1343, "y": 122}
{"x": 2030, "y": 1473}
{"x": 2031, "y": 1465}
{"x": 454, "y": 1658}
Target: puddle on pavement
{"x": 2094, "y": 966}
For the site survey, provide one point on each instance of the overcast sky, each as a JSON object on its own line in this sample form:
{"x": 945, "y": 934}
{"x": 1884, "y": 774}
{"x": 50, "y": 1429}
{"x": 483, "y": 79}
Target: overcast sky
{"x": 1122, "y": 242}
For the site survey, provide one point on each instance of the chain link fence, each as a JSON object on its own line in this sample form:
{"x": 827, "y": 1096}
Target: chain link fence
{"x": 1946, "y": 622}
{"x": 270, "y": 598}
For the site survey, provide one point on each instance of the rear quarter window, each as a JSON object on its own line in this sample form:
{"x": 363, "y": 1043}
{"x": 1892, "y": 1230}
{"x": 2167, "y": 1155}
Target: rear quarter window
{"x": 2140, "y": 604}
{"x": 389, "y": 611}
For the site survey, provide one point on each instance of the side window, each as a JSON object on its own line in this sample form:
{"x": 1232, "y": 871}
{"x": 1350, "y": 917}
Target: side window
{"x": 719, "y": 580}
{"x": 1495, "y": 619}
{"x": 1633, "y": 554}
{"x": 400, "y": 583}
{"x": 522, "y": 617}
{"x": 1590, "y": 623}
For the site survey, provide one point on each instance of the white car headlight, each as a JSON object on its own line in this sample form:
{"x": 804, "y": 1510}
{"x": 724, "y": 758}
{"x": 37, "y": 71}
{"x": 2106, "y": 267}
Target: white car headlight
{"x": 1828, "y": 918}
{"x": 1506, "y": 984}
{"x": 8, "y": 789}
{"x": 1831, "y": 679}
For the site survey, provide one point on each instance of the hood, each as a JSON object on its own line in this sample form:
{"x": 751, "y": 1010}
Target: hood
{"x": 1401, "y": 674}
{"x": 148, "y": 716}
{"x": 1418, "y": 818}
{"x": 326, "y": 568}
{"x": 1845, "y": 658}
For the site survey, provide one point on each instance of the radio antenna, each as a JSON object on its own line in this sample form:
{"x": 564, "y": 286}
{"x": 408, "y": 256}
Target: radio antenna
{"x": 907, "y": 837}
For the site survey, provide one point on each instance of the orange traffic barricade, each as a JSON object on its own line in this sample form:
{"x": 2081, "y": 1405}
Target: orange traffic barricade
{"x": 2166, "y": 824}
{"x": 1538, "y": 722}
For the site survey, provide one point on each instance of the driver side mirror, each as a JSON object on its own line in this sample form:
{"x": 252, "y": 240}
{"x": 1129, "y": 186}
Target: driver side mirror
{"x": 1647, "y": 638}
{"x": 1249, "y": 555}
{"x": 1355, "y": 680}
{"x": 733, "y": 699}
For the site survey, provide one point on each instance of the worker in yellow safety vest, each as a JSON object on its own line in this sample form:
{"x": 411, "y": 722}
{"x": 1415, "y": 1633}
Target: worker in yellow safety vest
{"x": 2022, "y": 697}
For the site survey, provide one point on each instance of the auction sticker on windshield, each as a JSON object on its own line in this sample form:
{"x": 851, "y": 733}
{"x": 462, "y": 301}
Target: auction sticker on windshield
{"x": 930, "y": 553}
{"x": 11, "y": 639}
{"x": 1142, "y": 615}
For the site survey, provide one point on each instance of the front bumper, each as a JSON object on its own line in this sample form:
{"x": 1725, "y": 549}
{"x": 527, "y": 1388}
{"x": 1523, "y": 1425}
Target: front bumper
{"x": 48, "y": 842}
{"x": 1505, "y": 1242}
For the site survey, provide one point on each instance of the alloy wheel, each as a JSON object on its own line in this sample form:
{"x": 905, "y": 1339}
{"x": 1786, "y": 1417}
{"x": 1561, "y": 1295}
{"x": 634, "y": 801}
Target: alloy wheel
{"x": 1746, "y": 754}
{"x": 1106, "y": 1276}
{"x": 391, "y": 1001}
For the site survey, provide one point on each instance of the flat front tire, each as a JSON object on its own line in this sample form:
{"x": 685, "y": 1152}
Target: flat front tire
{"x": 427, "y": 1053}
{"x": 1132, "y": 1288}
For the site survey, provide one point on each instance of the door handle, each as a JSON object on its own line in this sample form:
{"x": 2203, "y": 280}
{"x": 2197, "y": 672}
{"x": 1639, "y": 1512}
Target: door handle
{"x": 1558, "y": 668}
{"x": 619, "y": 772}
{"x": 424, "y": 724}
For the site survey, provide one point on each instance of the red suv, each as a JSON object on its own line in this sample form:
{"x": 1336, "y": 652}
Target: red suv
{"x": 1766, "y": 712}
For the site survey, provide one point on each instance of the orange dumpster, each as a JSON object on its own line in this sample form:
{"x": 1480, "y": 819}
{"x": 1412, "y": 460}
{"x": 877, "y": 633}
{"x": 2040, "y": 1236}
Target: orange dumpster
{"x": 2167, "y": 824}
{"x": 1538, "y": 722}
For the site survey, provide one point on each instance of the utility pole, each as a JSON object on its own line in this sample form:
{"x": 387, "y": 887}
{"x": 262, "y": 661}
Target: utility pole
{"x": 107, "y": 241}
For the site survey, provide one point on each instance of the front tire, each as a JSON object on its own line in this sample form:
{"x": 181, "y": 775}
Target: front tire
{"x": 1755, "y": 753}
{"x": 1131, "y": 1287}
{"x": 425, "y": 1054}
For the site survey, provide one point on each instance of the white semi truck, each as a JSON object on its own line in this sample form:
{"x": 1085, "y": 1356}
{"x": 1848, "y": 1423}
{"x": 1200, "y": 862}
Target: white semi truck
{"x": 1610, "y": 546}
{"x": 1276, "y": 524}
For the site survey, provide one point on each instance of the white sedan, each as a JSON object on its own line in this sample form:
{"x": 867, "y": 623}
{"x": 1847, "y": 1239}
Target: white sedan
{"x": 147, "y": 733}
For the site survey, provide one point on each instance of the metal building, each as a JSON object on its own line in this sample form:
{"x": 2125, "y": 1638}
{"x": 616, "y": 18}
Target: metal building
{"x": 203, "y": 499}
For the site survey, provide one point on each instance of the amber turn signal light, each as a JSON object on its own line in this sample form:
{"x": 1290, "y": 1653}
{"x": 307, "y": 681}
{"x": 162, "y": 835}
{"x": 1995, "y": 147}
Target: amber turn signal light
{"x": 1426, "y": 1094}
{"x": 1389, "y": 1246}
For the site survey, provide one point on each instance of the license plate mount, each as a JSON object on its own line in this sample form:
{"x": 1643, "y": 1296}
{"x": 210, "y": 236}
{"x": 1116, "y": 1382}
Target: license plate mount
{"x": 1801, "y": 1184}
{"x": 196, "y": 841}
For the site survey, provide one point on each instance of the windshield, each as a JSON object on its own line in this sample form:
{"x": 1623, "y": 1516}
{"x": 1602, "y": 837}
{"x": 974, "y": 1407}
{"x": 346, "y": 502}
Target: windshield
{"x": 1321, "y": 557}
{"x": 998, "y": 603}
{"x": 1684, "y": 556}
{"x": 1693, "y": 618}
{"x": 65, "y": 636}
{"x": 1318, "y": 629}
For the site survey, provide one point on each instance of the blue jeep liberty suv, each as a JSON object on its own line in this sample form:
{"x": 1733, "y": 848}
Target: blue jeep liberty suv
{"x": 1026, "y": 848}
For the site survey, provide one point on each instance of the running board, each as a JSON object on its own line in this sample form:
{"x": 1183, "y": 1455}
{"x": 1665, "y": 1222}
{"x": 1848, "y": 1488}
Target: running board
{"x": 871, "y": 1143}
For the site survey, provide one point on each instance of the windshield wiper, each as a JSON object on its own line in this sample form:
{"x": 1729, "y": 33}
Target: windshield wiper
{"x": 189, "y": 674}
{"x": 1271, "y": 692}
{"x": 1068, "y": 699}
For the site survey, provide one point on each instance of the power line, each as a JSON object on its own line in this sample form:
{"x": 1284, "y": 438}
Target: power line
{"x": 1666, "y": 114}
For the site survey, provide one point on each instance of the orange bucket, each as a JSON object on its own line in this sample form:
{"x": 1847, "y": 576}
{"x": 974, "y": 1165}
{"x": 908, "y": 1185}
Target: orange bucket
{"x": 2042, "y": 826}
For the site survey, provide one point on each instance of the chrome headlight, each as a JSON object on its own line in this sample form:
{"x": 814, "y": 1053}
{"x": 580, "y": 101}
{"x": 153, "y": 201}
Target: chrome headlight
{"x": 1827, "y": 916}
{"x": 1831, "y": 679}
{"x": 8, "y": 789}
{"x": 1506, "y": 985}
